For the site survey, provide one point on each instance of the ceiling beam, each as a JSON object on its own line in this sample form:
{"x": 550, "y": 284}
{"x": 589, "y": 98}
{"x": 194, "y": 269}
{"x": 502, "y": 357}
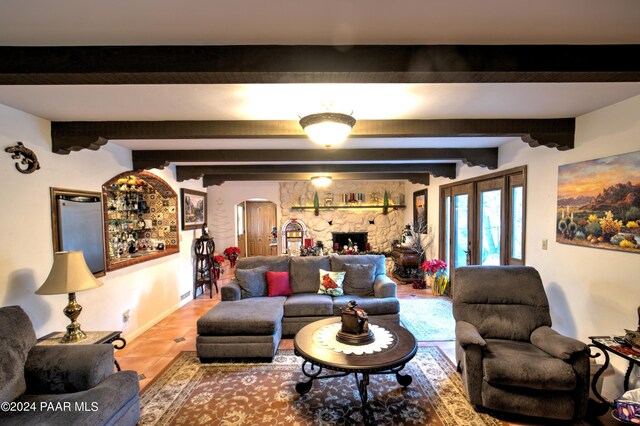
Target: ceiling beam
{"x": 447, "y": 170}
{"x": 485, "y": 157}
{"x": 76, "y": 135}
{"x": 45, "y": 65}
{"x": 417, "y": 178}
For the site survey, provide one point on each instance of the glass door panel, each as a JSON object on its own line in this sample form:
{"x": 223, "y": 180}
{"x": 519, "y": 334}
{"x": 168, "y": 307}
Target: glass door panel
{"x": 517, "y": 222}
{"x": 461, "y": 230}
{"x": 447, "y": 233}
{"x": 490, "y": 226}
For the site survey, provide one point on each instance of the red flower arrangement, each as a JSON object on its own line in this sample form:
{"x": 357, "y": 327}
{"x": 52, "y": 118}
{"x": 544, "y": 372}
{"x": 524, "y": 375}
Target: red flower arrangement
{"x": 231, "y": 250}
{"x": 232, "y": 254}
{"x": 434, "y": 267}
{"x": 217, "y": 263}
{"x": 437, "y": 269}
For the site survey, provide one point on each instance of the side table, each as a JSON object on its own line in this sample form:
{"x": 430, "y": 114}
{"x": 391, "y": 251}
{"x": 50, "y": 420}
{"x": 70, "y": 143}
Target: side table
{"x": 616, "y": 346}
{"x": 406, "y": 264}
{"x": 93, "y": 338}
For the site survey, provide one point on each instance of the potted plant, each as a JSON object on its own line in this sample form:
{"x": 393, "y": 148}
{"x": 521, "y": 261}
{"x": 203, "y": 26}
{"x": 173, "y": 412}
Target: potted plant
{"x": 232, "y": 254}
{"x": 436, "y": 275}
{"x": 217, "y": 265}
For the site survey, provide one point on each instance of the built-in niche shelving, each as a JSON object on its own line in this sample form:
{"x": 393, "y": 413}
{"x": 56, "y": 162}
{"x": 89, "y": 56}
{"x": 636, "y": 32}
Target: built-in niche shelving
{"x": 140, "y": 219}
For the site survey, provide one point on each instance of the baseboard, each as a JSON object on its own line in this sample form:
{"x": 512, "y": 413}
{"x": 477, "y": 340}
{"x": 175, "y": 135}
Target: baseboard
{"x": 131, "y": 336}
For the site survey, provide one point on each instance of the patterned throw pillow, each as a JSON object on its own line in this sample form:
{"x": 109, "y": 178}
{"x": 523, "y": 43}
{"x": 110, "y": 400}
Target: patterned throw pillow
{"x": 331, "y": 283}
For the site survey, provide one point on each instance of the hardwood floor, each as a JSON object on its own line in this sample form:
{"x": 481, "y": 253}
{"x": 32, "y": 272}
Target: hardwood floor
{"x": 151, "y": 352}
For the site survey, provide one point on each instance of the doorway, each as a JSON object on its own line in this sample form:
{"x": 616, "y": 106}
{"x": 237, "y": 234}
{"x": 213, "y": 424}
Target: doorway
{"x": 256, "y": 220}
{"x": 482, "y": 221}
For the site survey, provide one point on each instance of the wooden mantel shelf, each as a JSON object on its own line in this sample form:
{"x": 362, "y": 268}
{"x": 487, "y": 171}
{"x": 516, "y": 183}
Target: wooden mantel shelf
{"x": 385, "y": 209}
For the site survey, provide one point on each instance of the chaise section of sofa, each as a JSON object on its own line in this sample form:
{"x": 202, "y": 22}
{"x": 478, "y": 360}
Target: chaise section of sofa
{"x": 229, "y": 330}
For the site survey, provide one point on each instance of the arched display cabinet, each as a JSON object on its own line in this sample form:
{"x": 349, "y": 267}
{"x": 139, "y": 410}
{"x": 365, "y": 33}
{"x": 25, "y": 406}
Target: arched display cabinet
{"x": 141, "y": 219}
{"x": 294, "y": 232}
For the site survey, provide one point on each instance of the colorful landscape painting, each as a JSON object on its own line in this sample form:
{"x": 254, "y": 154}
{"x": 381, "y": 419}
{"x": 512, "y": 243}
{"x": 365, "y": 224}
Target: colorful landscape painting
{"x": 599, "y": 203}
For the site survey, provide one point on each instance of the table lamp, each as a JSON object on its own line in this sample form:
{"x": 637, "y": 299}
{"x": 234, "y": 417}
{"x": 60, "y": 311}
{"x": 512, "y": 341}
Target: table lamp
{"x": 70, "y": 274}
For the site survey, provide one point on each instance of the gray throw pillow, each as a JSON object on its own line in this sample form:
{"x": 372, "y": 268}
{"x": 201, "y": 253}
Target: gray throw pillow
{"x": 359, "y": 279}
{"x": 252, "y": 282}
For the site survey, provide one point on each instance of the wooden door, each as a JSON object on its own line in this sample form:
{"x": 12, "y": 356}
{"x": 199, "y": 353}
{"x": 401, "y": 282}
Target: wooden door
{"x": 261, "y": 217}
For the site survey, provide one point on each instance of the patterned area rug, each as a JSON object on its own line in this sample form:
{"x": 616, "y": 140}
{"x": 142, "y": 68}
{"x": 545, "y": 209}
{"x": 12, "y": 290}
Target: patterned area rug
{"x": 430, "y": 319}
{"x": 191, "y": 393}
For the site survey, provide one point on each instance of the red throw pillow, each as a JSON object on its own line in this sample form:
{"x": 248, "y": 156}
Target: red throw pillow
{"x": 278, "y": 284}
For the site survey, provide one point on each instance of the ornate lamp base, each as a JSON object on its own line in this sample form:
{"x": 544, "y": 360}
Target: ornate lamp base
{"x": 72, "y": 311}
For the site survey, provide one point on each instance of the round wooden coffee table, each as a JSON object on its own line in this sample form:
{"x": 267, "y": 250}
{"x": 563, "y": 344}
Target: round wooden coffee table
{"x": 390, "y": 360}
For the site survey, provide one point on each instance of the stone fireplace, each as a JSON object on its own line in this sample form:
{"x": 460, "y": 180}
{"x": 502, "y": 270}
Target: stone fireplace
{"x": 379, "y": 228}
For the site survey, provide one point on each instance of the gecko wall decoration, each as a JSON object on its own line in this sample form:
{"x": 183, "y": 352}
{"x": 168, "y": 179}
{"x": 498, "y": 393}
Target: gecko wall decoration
{"x": 29, "y": 158}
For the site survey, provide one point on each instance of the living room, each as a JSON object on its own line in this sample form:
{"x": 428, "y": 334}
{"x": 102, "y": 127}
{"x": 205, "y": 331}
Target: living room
{"x": 591, "y": 292}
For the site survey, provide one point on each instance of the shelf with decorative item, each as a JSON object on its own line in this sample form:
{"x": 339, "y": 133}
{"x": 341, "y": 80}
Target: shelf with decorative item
{"x": 385, "y": 209}
{"x": 140, "y": 219}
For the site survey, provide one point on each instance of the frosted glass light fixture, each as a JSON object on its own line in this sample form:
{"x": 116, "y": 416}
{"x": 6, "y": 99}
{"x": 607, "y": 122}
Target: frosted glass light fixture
{"x": 321, "y": 181}
{"x": 327, "y": 128}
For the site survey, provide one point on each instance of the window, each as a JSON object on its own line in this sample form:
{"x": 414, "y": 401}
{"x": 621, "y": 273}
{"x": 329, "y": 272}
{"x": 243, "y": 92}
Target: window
{"x": 482, "y": 220}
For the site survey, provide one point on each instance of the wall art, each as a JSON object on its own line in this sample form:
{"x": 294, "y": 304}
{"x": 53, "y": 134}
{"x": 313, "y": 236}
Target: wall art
{"x": 194, "y": 208}
{"x": 599, "y": 203}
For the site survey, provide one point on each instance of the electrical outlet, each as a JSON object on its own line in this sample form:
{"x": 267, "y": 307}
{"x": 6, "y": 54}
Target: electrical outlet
{"x": 126, "y": 315}
{"x": 545, "y": 244}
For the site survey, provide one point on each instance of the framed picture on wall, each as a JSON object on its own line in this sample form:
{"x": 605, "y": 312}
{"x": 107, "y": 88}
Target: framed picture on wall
{"x": 194, "y": 208}
{"x": 420, "y": 211}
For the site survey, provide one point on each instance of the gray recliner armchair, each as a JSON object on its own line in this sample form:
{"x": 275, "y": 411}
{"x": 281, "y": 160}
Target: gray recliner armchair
{"x": 60, "y": 385}
{"x": 509, "y": 357}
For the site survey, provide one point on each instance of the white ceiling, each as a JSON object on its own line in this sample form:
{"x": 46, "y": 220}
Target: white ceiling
{"x": 330, "y": 22}
{"x": 326, "y": 22}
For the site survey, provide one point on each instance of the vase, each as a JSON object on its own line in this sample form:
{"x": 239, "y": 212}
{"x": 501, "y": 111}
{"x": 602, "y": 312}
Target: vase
{"x": 431, "y": 283}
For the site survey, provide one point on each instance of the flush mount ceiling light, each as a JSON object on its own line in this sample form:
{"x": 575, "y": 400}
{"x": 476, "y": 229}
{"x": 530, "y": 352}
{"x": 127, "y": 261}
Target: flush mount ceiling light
{"x": 321, "y": 181}
{"x": 327, "y": 128}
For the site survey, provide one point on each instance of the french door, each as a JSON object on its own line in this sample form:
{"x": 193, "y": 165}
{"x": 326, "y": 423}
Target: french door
{"x": 482, "y": 221}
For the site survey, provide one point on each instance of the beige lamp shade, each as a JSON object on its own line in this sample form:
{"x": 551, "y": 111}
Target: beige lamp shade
{"x": 69, "y": 274}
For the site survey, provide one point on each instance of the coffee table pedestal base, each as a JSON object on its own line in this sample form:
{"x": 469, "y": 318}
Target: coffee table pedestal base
{"x": 313, "y": 372}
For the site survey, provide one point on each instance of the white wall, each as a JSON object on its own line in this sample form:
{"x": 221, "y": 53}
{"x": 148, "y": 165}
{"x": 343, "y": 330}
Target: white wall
{"x": 151, "y": 290}
{"x": 221, "y": 207}
{"x": 591, "y": 291}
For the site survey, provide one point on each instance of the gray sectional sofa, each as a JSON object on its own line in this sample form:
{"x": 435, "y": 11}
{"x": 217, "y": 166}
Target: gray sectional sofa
{"x": 247, "y": 323}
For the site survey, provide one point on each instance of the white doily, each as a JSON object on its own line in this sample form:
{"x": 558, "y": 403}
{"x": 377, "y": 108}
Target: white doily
{"x": 326, "y": 336}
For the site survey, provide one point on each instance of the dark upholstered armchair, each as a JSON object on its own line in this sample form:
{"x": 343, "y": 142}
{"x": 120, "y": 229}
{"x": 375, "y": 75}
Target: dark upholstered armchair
{"x": 509, "y": 357}
{"x": 60, "y": 385}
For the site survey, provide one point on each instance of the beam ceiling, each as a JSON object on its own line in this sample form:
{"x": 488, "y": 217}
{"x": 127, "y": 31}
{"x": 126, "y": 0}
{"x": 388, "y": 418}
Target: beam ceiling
{"x": 425, "y": 157}
{"x": 318, "y": 64}
{"x": 418, "y": 178}
{"x": 447, "y": 170}
{"x": 82, "y": 65}
{"x": 76, "y": 135}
